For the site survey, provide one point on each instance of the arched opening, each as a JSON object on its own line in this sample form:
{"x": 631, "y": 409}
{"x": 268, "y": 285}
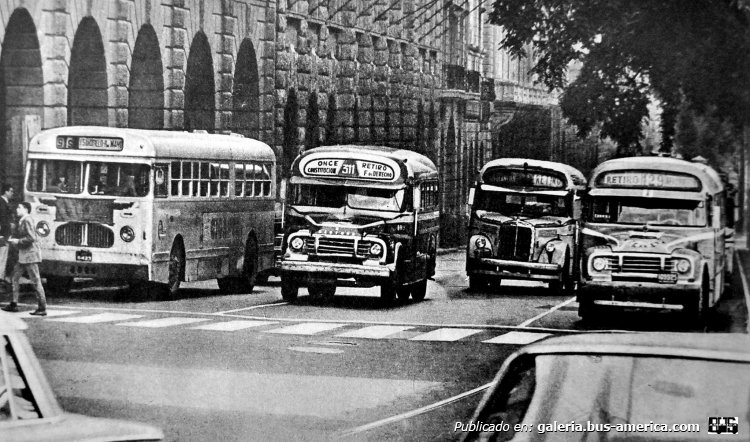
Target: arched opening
{"x": 313, "y": 122}
{"x": 290, "y": 131}
{"x": 87, "y": 77}
{"x": 246, "y": 93}
{"x": 200, "y": 103}
{"x": 21, "y": 91}
{"x": 146, "y": 100}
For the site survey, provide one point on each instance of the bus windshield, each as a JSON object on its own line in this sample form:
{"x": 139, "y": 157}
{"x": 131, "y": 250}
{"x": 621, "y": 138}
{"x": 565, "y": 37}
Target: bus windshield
{"x": 102, "y": 178}
{"x": 389, "y": 200}
{"x": 521, "y": 204}
{"x": 649, "y": 211}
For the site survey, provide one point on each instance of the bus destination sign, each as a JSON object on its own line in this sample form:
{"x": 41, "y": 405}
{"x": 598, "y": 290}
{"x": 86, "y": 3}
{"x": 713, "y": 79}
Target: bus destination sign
{"x": 349, "y": 168}
{"x": 651, "y": 180}
{"x": 90, "y": 143}
{"x": 523, "y": 178}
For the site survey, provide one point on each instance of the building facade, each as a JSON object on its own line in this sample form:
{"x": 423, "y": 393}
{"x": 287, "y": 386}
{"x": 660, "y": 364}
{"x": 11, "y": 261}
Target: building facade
{"x": 419, "y": 74}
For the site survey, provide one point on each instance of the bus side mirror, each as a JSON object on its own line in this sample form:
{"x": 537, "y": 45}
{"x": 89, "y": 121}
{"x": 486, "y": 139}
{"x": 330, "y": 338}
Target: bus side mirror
{"x": 470, "y": 201}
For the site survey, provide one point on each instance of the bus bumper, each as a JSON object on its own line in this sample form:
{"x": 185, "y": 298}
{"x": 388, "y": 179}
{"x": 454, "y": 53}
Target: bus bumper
{"x": 639, "y": 295}
{"x": 126, "y": 272}
{"x": 508, "y": 269}
{"x": 324, "y": 270}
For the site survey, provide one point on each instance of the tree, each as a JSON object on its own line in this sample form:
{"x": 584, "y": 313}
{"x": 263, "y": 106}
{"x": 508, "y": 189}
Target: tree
{"x": 693, "y": 51}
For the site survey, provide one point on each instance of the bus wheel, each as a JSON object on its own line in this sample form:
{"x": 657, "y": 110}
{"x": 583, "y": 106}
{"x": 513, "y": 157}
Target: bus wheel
{"x": 477, "y": 283}
{"x": 176, "y": 268}
{"x": 325, "y": 292}
{"x": 419, "y": 290}
{"x": 289, "y": 288}
{"x": 587, "y": 311}
{"x": 402, "y": 293}
{"x": 565, "y": 285}
{"x": 58, "y": 285}
{"x": 388, "y": 292}
{"x": 696, "y": 313}
{"x": 250, "y": 264}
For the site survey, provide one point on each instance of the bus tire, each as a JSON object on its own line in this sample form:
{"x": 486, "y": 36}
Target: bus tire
{"x": 250, "y": 264}
{"x": 565, "y": 286}
{"x": 696, "y": 313}
{"x": 419, "y": 290}
{"x": 388, "y": 292}
{"x": 478, "y": 283}
{"x": 587, "y": 311}
{"x": 289, "y": 288}
{"x": 324, "y": 292}
{"x": 58, "y": 285}
{"x": 176, "y": 268}
{"x": 402, "y": 293}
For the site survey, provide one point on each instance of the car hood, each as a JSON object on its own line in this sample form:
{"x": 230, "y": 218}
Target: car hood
{"x": 70, "y": 427}
{"x": 631, "y": 239}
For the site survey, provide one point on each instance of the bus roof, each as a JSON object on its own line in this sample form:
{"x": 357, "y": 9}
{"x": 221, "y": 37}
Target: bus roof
{"x": 154, "y": 144}
{"x": 573, "y": 176}
{"x": 709, "y": 179}
{"x": 410, "y": 164}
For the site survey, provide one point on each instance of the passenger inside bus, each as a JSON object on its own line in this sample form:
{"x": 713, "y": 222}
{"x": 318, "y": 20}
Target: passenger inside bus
{"x": 127, "y": 188}
{"x": 61, "y": 185}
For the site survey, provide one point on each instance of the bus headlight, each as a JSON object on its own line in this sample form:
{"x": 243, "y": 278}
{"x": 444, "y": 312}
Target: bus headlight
{"x": 481, "y": 242}
{"x": 682, "y": 265}
{"x": 599, "y": 263}
{"x": 127, "y": 234}
{"x": 376, "y": 249}
{"x": 42, "y": 228}
{"x": 549, "y": 247}
{"x": 297, "y": 243}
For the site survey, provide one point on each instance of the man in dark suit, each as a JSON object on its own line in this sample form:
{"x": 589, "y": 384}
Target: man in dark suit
{"x": 6, "y": 218}
{"x": 29, "y": 256}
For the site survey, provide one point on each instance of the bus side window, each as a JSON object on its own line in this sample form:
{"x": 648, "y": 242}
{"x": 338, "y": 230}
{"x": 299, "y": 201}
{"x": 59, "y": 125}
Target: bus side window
{"x": 161, "y": 180}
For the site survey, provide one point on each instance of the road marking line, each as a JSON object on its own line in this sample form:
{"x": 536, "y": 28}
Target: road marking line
{"x": 412, "y": 413}
{"x": 375, "y": 332}
{"x": 318, "y": 350}
{"x": 308, "y": 328}
{"x": 233, "y": 325}
{"x": 519, "y": 338}
{"x": 163, "y": 322}
{"x": 344, "y": 321}
{"x": 274, "y": 304}
{"x": 745, "y": 288}
{"x": 541, "y": 315}
{"x": 446, "y": 334}
{"x": 99, "y": 317}
{"x": 52, "y": 313}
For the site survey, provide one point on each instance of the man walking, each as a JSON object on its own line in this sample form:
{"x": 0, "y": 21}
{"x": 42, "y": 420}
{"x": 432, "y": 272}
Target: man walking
{"x": 6, "y": 217}
{"x": 29, "y": 257}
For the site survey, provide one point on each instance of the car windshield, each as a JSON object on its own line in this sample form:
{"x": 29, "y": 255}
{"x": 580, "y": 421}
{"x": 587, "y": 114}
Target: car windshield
{"x": 520, "y": 204}
{"x": 389, "y": 200}
{"x": 67, "y": 177}
{"x": 649, "y": 211}
{"x": 620, "y": 393}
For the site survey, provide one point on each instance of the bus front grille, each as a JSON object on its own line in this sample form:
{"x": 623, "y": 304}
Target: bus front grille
{"x": 87, "y": 235}
{"x": 640, "y": 264}
{"x": 335, "y": 246}
{"x": 515, "y": 242}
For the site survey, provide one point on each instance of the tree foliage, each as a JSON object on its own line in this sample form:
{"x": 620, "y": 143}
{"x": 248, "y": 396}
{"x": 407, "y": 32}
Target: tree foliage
{"x": 692, "y": 51}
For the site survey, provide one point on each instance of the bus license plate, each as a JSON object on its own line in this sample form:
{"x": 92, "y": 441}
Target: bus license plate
{"x": 83, "y": 255}
{"x": 666, "y": 278}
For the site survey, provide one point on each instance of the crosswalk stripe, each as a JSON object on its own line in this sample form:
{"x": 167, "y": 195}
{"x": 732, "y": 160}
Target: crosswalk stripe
{"x": 307, "y": 328}
{"x": 374, "y": 332}
{"x": 233, "y": 325}
{"x": 446, "y": 334}
{"x": 100, "y": 317}
{"x": 515, "y": 337}
{"x": 163, "y": 322}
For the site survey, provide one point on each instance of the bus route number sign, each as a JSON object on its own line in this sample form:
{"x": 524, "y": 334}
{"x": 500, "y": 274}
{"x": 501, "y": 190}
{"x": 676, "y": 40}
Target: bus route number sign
{"x": 650, "y": 180}
{"x": 89, "y": 143}
{"x": 349, "y": 168}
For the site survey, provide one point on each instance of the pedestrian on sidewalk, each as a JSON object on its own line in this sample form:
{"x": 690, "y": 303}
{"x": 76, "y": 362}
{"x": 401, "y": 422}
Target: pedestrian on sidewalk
{"x": 6, "y": 218}
{"x": 29, "y": 257}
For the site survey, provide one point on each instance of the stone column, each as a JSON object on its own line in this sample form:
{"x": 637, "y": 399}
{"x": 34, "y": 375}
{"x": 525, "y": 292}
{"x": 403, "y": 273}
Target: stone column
{"x": 175, "y": 42}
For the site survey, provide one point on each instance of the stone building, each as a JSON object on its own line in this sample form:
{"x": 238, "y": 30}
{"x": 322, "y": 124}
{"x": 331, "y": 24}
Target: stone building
{"x": 419, "y": 74}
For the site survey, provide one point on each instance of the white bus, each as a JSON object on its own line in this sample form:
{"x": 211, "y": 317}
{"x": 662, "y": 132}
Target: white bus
{"x": 151, "y": 206}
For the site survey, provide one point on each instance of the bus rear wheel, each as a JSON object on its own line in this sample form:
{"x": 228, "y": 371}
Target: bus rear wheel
{"x": 289, "y": 288}
{"x": 176, "y": 268}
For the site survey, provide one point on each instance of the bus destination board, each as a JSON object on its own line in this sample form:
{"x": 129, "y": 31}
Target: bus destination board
{"x": 90, "y": 143}
{"x": 349, "y": 168}
{"x": 651, "y": 180}
{"x": 515, "y": 178}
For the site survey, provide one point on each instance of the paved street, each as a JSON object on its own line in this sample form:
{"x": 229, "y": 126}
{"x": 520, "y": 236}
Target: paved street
{"x": 251, "y": 367}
